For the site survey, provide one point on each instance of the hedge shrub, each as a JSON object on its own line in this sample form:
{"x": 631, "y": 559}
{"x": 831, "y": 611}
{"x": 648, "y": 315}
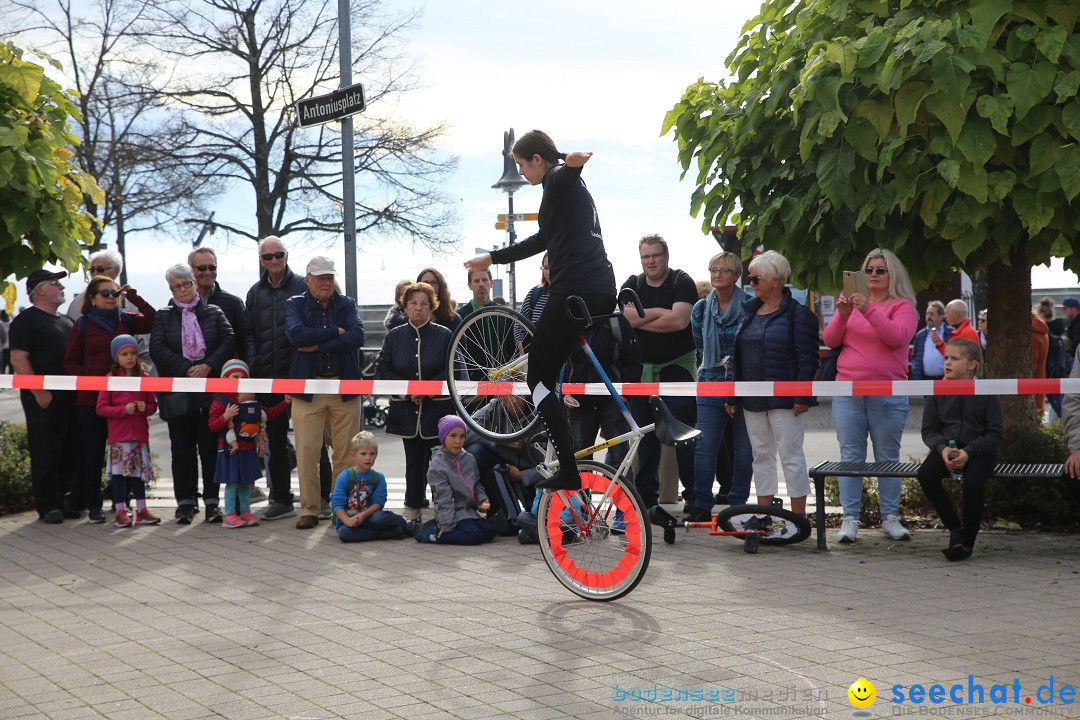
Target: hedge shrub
{"x": 16, "y": 493}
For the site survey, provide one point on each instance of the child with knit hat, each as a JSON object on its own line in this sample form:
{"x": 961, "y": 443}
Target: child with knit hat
{"x": 239, "y": 419}
{"x": 128, "y": 463}
{"x": 459, "y": 494}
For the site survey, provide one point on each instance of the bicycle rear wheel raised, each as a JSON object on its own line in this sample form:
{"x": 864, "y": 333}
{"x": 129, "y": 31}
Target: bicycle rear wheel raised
{"x": 597, "y": 546}
{"x": 491, "y": 346}
{"x": 782, "y": 527}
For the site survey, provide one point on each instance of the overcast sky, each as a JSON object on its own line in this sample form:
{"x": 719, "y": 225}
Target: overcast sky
{"x": 597, "y": 75}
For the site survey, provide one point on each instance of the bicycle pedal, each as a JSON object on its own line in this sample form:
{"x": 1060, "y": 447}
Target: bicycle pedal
{"x": 777, "y": 502}
{"x": 662, "y": 518}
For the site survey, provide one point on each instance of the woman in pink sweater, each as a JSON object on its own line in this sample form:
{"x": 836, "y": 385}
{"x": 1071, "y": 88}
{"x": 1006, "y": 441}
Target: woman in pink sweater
{"x": 128, "y": 412}
{"x": 875, "y": 331}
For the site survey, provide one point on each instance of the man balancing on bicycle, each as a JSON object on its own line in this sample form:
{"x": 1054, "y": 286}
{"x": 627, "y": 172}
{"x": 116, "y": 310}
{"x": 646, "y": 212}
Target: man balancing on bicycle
{"x": 570, "y": 233}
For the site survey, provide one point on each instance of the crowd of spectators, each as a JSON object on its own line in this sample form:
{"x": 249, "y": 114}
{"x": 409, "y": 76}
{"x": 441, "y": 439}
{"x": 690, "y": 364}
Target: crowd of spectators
{"x": 303, "y": 326}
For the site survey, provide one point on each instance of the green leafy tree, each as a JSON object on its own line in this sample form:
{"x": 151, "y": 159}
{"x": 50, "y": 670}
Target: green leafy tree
{"x": 42, "y": 219}
{"x": 946, "y": 132}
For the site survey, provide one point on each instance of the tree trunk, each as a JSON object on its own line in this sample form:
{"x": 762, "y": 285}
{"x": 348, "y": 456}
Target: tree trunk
{"x": 1008, "y": 341}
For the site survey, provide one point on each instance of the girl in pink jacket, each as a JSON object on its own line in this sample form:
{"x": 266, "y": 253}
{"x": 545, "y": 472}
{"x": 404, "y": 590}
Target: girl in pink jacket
{"x": 128, "y": 412}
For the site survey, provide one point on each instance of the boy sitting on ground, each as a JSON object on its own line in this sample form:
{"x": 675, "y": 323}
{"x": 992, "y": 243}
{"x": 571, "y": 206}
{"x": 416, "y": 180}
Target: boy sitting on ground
{"x": 359, "y": 496}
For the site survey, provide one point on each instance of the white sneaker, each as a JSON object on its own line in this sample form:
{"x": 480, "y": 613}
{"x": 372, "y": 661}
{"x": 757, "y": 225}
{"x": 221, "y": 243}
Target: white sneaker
{"x": 849, "y": 528}
{"x": 894, "y": 530}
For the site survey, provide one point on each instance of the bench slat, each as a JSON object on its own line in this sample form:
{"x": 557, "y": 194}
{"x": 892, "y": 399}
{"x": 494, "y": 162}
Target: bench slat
{"x": 1014, "y": 471}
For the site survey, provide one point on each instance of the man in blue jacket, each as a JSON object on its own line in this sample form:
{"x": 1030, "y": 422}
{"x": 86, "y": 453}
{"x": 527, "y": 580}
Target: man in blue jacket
{"x": 927, "y": 362}
{"x": 327, "y": 334}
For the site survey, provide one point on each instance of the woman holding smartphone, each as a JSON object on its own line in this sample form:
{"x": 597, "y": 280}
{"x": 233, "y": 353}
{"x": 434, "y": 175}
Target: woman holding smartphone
{"x": 874, "y": 330}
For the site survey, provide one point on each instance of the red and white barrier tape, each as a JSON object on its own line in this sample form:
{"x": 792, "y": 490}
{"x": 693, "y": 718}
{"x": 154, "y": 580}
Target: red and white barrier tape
{"x": 840, "y": 388}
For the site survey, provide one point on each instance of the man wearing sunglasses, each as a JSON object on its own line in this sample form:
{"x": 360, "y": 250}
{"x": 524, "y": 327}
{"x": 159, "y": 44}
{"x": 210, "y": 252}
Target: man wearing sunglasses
{"x": 272, "y": 358}
{"x": 203, "y": 262}
{"x": 104, "y": 262}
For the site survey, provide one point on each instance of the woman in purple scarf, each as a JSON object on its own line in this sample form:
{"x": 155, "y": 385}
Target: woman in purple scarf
{"x": 191, "y": 339}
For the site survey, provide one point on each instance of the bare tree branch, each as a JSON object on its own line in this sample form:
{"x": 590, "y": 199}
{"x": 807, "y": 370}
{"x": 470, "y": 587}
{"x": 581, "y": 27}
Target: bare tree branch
{"x": 239, "y": 68}
{"x": 125, "y": 132}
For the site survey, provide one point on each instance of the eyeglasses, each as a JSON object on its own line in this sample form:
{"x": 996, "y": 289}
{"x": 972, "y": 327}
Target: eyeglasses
{"x": 49, "y": 283}
{"x": 721, "y": 271}
{"x": 432, "y": 281}
{"x": 108, "y": 293}
{"x": 204, "y": 268}
{"x": 274, "y": 255}
{"x": 755, "y": 279}
{"x": 101, "y": 269}
{"x": 544, "y": 268}
{"x": 875, "y": 270}
{"x": 181, "y": 285}
{"x": 653, "y": 256}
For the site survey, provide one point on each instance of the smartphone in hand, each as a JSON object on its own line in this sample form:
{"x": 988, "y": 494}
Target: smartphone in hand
{"x": 854, "y": 282}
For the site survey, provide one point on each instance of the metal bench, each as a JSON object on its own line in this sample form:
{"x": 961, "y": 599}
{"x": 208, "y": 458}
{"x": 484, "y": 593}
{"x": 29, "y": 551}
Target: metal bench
{"x": 818, "y": 473}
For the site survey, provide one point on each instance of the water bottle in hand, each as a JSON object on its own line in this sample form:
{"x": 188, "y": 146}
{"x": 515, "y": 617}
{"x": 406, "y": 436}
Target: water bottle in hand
{"x": 953, "y": 454}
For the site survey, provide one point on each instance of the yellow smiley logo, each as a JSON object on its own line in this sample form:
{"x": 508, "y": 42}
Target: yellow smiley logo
{"x": 862, "y": 693}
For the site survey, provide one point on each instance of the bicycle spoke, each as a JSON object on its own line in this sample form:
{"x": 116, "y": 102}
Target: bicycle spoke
{"x": 597, "y": 541}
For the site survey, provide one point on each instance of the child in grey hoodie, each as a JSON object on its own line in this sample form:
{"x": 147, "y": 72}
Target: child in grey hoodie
{"x": 459, "y": 494}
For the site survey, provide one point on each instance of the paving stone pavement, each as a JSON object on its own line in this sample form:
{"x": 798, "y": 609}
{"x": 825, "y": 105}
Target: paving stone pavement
{"x": 188, "y": 622}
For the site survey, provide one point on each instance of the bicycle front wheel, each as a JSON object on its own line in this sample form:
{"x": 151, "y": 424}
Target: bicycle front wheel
{"x": 781, "y": 527}
{"x": 491, "y": 346}
{"x": 596, "y": 541}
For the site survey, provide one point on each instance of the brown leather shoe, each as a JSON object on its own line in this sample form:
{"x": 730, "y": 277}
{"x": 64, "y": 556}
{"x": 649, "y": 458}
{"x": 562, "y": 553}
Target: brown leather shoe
{"x": 307, "y": 522}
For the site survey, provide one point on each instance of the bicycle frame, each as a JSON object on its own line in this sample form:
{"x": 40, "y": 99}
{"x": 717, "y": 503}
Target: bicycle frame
{"x": 633, "y": 436}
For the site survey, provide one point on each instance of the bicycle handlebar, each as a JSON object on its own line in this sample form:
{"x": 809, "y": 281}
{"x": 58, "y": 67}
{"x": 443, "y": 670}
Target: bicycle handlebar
{"x": 626, "y": 295}
{"x": 574, "y": 302}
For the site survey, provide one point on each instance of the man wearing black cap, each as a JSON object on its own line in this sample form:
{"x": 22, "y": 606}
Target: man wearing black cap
{"x": 38, "y": 338}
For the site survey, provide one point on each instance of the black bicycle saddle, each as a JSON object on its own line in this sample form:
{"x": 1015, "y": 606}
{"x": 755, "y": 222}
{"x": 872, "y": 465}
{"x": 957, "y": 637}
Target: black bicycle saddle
{"x": 669, "y": 430}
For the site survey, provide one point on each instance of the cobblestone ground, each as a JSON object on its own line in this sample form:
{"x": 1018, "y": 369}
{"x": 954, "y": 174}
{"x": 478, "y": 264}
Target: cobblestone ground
{"x": 273, "y": 622}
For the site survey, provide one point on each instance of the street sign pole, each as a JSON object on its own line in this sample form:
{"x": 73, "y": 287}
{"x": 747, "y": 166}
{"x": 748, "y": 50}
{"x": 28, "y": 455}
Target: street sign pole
{"x": 513, "y": 239}
{"x": 348, "y": 187}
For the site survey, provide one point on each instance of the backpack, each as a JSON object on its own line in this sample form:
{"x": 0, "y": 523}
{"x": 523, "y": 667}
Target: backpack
{"x": 508, "y": 498}
{"x": 1057, "y": 361}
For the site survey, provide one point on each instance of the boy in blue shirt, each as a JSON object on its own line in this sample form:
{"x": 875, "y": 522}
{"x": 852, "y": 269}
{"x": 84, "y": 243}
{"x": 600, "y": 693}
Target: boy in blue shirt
{"x": 359, "y": 496}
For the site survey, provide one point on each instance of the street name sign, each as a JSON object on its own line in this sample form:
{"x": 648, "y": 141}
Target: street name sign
{"x": 333, "y": 106}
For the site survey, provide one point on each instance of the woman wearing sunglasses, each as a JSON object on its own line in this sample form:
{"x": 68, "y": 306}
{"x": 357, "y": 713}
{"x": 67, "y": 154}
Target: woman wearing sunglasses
{"x": 874, "y": 331}
{"x": 776, "y": 341}
{"x": 88, "y": 353}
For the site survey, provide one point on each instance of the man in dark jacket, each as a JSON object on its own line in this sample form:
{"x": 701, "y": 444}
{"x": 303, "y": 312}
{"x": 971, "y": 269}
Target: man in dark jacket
{"x": 272, "y": 356}
{"x": 326, "y": 333}
{"x": 203, "y": 262}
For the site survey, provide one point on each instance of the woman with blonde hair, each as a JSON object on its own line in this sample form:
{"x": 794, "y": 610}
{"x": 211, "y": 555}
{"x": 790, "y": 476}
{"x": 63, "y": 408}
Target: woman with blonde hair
{"x": 874, "y": 331}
